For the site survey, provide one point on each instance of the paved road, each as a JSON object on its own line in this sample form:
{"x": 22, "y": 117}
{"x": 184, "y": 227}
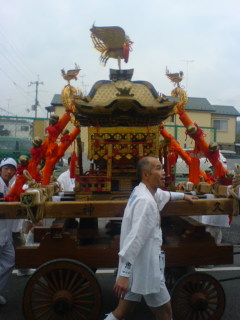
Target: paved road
{"x": 14, "y": 291}
{"x": 231, "y": 162}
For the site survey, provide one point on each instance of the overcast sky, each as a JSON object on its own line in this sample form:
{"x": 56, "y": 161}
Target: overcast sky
{"x": 39, "y": 38}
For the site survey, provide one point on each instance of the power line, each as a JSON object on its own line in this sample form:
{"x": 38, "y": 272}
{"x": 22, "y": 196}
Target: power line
{"x": 14, "y": 66}
{"x": 7, "y": 112}
{"x": 14, "y": 83}
{"x": 15, "y": 50}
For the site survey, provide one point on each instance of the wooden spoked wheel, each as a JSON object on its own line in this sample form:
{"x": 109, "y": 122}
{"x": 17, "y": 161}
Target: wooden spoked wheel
{"x": 198, "y": 296}
{"x": 62, "y": 289}
{"x": 173, "y": 274}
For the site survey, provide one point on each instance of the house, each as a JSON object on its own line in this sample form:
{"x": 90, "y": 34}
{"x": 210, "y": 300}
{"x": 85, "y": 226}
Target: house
{"x": 225, "y": 121}
{"x": 217, "y": 121}
{"x": 15, "y": 127}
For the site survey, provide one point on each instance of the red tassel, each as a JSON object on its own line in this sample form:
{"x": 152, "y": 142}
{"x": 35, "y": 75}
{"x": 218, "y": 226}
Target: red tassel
{"x": 171, "y": 160}
{"x": 126, "y": 49}
{"x": 194, "y": 170}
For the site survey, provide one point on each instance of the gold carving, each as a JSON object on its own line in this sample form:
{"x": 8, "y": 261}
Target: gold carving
{"x": 182, "y": 96}
{"x": 68, "y": 94}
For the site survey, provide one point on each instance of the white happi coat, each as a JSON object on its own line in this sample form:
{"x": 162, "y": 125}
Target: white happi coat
{"x": 141, "y": 238}
{"x": 5, "y": 224}
{"x": 67, "y": 183}
{"x": 14, "y": 224}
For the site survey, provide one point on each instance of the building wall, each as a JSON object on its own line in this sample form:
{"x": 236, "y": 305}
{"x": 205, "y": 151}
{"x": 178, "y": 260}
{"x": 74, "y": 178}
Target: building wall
{"x": 39, "y": 127}
{"x": 16, "y": 127}
{"x": 226, "y": 137}
{"x": 202, "y": 119}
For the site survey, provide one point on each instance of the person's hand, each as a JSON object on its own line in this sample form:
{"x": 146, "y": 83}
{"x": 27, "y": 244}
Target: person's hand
{"x": 121, "y": 287}
{"x": 190, "y": 198}
{"x": 181, "y": 186}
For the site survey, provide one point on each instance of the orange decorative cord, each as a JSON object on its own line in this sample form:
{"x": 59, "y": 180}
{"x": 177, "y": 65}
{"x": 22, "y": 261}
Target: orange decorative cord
{"x": 54, "y": 131}
{"x": 184, "y": 155}
{"x": 47, "y": 147}
{"x": 14, "y": 193}
{"x": 55, "y": 154}
{"x": 34, "y": 162}
{"x": 194, "y": 170}
{"x": 202, "y": 145}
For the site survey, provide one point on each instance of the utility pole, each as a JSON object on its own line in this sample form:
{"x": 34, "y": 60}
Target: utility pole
{"x": 83, "y": 84}
{"x": 8, "y": 100}
{"x": 187, "y": 62}
{"x": 36, "y": 83}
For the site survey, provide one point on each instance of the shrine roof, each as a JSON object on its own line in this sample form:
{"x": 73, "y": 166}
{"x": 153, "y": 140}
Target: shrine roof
{"x": 123, "y": 102}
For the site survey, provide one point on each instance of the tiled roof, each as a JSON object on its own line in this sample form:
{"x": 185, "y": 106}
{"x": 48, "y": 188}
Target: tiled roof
{"x": 56, "y": 100}
{"x": 226, "y": 110}
{"x": 201, "y": 104}
{"x": 198, "y": 104}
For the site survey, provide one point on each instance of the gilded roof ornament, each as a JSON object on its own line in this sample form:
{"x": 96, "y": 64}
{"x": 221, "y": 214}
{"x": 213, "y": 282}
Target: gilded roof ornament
{"x": 178, "y": 92}
{"x": 112, "y": 42}
{"x": 71, "y": 74}
{"x": 176, "y": 78}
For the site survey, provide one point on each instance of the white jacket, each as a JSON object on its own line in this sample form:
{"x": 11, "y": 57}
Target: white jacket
{"x": 67, "y": 183}
{"x": 16, "y": 224}
{"x": 5, "y": 224}
{"x": 141, "y": 238}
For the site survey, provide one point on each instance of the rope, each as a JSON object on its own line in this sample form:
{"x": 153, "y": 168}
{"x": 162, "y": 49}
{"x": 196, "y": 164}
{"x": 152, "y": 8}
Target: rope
{"x": 35, "y": 211}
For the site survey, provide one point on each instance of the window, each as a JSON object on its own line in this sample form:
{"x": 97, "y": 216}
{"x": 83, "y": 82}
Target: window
{"x": 24, "y": 128}
{"x": 221, "y": 125}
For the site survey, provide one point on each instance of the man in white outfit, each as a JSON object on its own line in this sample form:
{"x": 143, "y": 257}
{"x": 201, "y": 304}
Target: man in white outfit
{"x": 141, "y": 262}
{"x": 67, "y": 183}
{"x": 8, "y": 169}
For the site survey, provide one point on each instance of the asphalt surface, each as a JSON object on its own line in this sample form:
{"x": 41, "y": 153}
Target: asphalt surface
{"x": 14, "y": 294}
{"x": 231, "y": 162}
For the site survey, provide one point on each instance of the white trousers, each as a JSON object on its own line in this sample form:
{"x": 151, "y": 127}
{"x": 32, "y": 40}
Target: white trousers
{"x": 7, "y": 262}
{"x": 216, "y": 233}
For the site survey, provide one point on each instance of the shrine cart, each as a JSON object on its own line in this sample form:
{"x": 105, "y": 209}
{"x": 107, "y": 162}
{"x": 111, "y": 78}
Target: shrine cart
{"x": 64, "y": 285}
